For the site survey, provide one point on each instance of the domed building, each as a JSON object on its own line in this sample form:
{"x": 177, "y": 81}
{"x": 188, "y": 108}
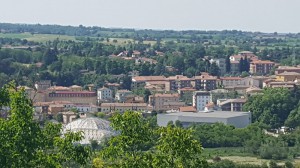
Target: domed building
{"x": 92, "y": 128}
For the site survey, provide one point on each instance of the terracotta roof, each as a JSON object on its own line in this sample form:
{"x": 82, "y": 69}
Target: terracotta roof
{"x": 165, "y": 95}
{"x": 148, "y": 78}
{"x": 288, "y": 73}
{"x": 71, "y": 92}
{"x": 103, "y": 88}
{"x": 62, "y": 102}
{"x": 75, "y": 86}
{"x": 287, "y": 67}
{"x": 230, "y": 78}
{"x": 187, "y": 109}
{"x": 206, "y": 77}
{"x": 179, "y": 77}
{"x": 156, "y": 82}
{"x": 124, "y": 104}
{"x": 59, "y": 88}
{"x": 281, "y": 83}
{"x": 262, "y": 62}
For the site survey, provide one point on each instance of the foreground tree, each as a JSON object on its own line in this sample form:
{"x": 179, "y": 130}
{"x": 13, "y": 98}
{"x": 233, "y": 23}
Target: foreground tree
{"x": 273, "y": 107}
{"x": 140, "y": 145}
{"x": 25, "y": 144}
{"x": 128, "y": 149}
{"x": 176, "y": 147}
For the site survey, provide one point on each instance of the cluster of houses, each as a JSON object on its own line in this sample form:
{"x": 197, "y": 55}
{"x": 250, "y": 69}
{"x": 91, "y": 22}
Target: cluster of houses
{"x": 202, "y": 98}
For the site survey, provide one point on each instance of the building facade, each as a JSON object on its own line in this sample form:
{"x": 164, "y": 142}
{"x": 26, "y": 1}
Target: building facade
{"x": 165, "y": 102}
{"x": 122, "y": 107}
{"x": 261, "y": 67}
{"x": 122, "y": 94}
{"x": 201, "y": 99}
{"x": 104, "y": 94}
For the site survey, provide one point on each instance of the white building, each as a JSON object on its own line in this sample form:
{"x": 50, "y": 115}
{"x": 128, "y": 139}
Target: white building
{"x": 85, "y": 108}
{"x": 92, "y": 129}
{"x": 201, "y": 99}
{"x": 122, "y": 94}
{"x": 104, "y": 94}
{"x": 237, "y": 119}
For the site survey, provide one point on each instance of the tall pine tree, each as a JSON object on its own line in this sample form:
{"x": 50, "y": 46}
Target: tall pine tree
{"x": 228, "y": 65}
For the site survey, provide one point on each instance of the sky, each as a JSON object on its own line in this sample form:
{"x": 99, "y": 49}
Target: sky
{"x": 247, "y": 15}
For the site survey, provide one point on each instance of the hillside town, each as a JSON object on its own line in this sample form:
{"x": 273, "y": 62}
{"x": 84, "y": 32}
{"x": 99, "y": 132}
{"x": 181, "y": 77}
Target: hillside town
{"x": 198, "y": 99}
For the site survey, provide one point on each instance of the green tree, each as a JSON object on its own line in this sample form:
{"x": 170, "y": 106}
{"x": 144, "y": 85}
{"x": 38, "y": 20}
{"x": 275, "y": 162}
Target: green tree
{"x": 25, "y": 144}
{"x": 272, "y": 107}
{"x": 214, "y": 69}
{"x": 176, "y": 147}
{"x": 49, "y": 56}
{"x": 228, "y": 65}
{"x": 241, "y": 65}
{"x": 293, "y": 119}
{"x": 128, "y": 149}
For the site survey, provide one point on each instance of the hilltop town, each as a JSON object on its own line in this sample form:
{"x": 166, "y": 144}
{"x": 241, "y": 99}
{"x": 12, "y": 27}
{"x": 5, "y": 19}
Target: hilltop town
{"x": 238, "y": 91}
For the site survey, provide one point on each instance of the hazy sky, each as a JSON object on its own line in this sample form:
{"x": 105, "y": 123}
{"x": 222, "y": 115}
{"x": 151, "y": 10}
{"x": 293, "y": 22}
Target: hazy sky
{"x": 247, "y": 15}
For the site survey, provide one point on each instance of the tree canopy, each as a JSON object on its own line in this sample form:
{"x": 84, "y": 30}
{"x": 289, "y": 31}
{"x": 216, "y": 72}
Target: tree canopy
{"x": 25, "y": 144}
{"x": 140, "y": 145}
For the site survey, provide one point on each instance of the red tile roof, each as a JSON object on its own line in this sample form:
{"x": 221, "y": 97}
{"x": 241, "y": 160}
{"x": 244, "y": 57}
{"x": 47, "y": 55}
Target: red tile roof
{"x": 262, "y": 62}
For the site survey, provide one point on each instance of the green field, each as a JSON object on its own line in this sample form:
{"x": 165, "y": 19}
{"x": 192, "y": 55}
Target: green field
{"x": 239, "y": 155}
{"x": 36, "y": 37}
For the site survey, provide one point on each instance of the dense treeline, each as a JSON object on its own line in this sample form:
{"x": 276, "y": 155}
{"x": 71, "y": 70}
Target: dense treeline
{"x": 185, "y": 51}
{"x": 253, "y": 139}
{"x": 24, "y": 143}
{"x": 275, "y": 107}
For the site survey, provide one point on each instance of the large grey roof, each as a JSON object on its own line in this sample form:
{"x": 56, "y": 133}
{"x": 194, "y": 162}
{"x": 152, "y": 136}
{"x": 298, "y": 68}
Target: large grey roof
{"x": 209, "y": 114}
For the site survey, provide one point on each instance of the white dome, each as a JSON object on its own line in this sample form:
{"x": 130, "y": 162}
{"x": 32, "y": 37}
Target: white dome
{"x": 92, "y": 128}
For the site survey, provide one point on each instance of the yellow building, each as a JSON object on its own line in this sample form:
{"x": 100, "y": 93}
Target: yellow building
{"x": 288, "y": 76}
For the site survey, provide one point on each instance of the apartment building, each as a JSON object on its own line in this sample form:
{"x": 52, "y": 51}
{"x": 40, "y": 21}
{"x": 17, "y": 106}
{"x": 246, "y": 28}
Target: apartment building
{"x": 261, "y": 67}
{"x": 288, "y": 76}
{"x": 201, "y": 99}
{"x": 173, "y": 83}
{"x": 165, "y": 102}
{"x": 282, "y": 69}
{"x": 205, "y": 82}
{"x": 244, "y": 54}
{"x": 76, "y": 88}
{"x": 232, "y": 104}
{"x": 72, "y": 96}
{"x": 122, "y": 94}
{"x": 104, "y": 94}
{"x": 230, "y": 81}
{"x": 140, "y": 81}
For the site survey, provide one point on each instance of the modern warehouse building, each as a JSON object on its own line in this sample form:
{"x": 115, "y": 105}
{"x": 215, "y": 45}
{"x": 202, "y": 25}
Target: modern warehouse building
{"x": 237, "y": 119}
